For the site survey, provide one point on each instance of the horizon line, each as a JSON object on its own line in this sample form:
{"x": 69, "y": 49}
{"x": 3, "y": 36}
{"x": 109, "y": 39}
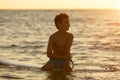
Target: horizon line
{"x": 58, "y": 9}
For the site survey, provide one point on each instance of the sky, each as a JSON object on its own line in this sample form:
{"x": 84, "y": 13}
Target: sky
{"x": 59, "y": 4}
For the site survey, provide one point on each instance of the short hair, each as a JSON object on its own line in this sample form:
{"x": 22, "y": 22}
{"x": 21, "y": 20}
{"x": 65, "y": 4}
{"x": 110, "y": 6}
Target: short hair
{"x": 59, "y": 18}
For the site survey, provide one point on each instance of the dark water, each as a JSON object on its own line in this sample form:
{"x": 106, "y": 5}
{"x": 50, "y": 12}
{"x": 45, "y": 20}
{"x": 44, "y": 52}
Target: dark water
{"x": 24, "y": 37}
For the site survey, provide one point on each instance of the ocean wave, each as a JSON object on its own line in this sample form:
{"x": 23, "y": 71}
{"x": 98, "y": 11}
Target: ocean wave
{"x": 19, "y": 46}
{"x": 113, "y": 23}
{"x": 106, "y": 47}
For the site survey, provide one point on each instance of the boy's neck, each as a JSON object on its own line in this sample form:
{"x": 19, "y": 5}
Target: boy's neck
{"x": 62, "y": 32}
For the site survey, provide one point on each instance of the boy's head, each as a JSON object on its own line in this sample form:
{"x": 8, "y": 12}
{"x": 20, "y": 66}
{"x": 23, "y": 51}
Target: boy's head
{"x": 59, "y": 18}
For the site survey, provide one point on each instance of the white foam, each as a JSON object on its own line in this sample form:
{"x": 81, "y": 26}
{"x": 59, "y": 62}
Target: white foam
{"x": 18, "y": 63}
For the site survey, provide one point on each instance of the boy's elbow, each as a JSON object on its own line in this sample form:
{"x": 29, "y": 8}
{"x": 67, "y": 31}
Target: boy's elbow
{"x": 48, "y": 55}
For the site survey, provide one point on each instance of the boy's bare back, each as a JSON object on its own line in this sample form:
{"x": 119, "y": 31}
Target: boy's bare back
{"x": 61, "y": 44}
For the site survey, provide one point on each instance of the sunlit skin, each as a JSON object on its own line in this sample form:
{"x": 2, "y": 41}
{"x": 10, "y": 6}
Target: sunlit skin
{"x": 59, "y": 46}
{"x": 61, "y": 38}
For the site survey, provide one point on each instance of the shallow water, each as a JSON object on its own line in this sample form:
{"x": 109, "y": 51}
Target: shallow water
{"x": 24, "y": 36}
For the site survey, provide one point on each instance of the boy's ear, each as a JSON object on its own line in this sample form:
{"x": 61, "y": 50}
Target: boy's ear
{"x": 58, "y": 24}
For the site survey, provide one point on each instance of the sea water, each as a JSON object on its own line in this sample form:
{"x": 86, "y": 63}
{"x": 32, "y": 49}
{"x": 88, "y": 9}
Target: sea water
{"x": 24, "y": 37}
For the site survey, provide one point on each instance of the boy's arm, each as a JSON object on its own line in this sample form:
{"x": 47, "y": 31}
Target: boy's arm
{"x": 69, "y": 43}
{"x": 49, "y": 47}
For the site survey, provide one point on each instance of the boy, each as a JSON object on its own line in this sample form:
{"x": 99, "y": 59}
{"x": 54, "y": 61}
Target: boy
{"x": 59, "y": 45}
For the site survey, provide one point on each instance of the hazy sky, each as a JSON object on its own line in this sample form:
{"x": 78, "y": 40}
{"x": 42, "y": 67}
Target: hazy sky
{"x": 58, "y": 4}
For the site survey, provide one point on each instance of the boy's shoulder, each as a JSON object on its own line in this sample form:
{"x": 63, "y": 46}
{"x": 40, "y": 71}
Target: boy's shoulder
{"x": 53, "y": 35}
{"x": 67, "y": 34}
{"x": 70, "y": 35}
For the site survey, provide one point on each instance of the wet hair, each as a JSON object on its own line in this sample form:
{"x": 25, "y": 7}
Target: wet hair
{"x": 59, "y": 18}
